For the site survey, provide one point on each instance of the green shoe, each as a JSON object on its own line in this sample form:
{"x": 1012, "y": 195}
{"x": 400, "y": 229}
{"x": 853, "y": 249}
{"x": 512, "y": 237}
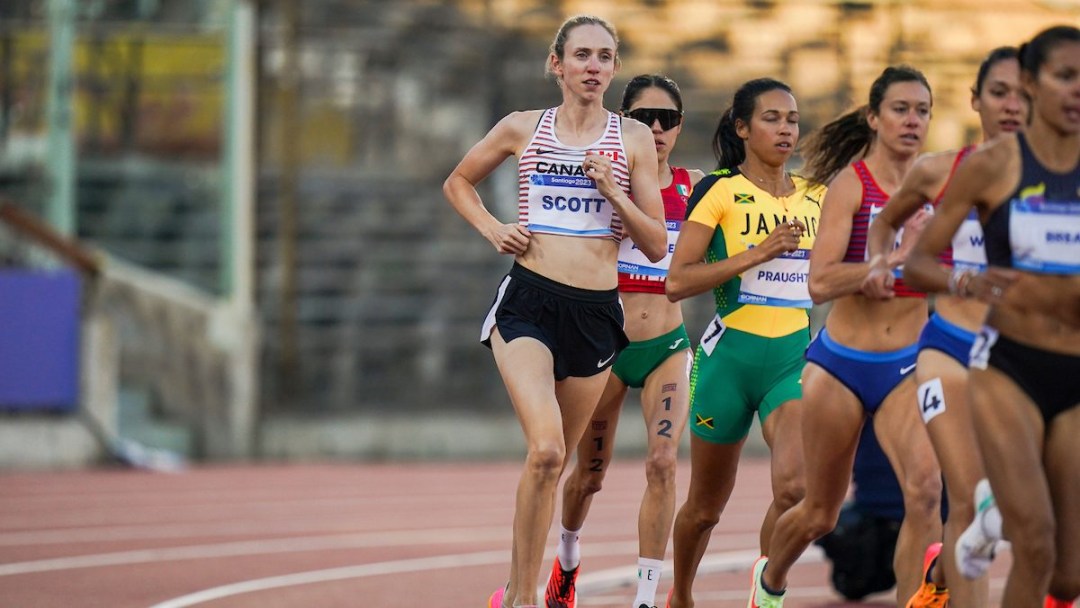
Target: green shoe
{"x": 759, "y": 597}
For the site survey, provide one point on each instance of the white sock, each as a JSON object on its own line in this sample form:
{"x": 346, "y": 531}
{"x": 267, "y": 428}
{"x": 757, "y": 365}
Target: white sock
{"x": 991, "y": 522}
{"x": 991, "y": 516}
{"x": 569, "y": 550}
{"x": 648, "y": 577}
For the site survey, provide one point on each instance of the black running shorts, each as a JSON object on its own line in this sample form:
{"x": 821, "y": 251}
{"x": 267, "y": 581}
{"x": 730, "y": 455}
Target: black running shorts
{"x": 583, "y": 328}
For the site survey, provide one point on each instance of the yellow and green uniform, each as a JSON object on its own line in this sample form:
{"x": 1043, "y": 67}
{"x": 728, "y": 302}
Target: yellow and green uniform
{"x": 751, "y": 354}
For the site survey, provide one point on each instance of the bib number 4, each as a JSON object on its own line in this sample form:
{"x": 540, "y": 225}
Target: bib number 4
{"x": 931, "y": 399}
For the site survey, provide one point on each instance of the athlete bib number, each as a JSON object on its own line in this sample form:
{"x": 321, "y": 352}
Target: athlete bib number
{"x": 782, "y": 281}
{"x": 931, "y": 399}
{"x": 979, "y": 357}
{"x": 1045, "y": 236}
{"x": 713, "y": 332}
{"x": 566, "y": 204}
{"x": 633, "y": 261}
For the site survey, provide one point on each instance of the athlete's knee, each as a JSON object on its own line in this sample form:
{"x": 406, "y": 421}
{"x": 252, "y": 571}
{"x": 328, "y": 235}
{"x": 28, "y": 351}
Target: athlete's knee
{"x": 698, "y": 516}
{"x": 660, "y": 465}
{"x": 922, "y": 496}
{"x": 546, "y": 458}
{"x": 788, "y": 492}
{"x": 818, "y": 520}
{"x": 789, "y": 486}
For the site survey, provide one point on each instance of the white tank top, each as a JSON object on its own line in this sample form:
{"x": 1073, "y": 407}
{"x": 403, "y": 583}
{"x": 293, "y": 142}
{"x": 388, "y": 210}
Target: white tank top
{"x": 554, "y": 194}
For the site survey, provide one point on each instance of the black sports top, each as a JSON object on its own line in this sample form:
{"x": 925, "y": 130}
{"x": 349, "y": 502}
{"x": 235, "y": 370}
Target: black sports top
{"x": 1038, "y": 227}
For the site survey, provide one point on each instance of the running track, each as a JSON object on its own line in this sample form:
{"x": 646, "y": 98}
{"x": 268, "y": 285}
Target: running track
{"x": 328, "y": 535}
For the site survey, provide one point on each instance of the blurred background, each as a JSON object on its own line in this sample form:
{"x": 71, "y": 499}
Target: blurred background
{"x": 222, "y": 233}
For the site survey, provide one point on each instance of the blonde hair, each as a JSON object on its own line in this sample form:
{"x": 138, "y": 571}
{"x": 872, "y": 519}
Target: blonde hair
{"x": 558, "y": 46}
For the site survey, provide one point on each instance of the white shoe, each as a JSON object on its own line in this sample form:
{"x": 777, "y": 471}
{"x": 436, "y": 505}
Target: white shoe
{"x": 976, "y": 547}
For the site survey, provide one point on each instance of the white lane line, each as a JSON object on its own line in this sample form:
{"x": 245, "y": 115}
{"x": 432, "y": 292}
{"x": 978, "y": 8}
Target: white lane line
{"x": 142, "y": 532}
{"x": 336, "y": 574}
{"x": 367, "y": 570}
{"x": 729, "y": 560}
{"x": 593, "y": 584}
{"x": 259, "y": 547}
{"x": 67, "y": 536}
{"x": 399, "y": 538}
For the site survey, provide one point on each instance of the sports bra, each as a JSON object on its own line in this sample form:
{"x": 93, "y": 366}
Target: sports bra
{"x": 873, "y": 201}
{"x": 1037, "y": 228}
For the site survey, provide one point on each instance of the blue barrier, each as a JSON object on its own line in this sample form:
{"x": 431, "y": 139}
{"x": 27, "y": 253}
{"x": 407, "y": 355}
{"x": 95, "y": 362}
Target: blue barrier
{"x": 39, "y": 340}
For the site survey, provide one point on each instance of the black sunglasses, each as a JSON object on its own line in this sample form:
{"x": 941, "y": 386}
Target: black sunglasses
{"x": 669, "y": 119}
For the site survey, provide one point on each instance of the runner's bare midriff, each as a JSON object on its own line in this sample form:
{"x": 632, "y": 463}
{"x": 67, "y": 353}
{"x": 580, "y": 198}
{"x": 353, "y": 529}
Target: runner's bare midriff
{"x": 563, "y": 259}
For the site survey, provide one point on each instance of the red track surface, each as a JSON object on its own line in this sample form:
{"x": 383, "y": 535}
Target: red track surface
{"x": 384, "y": 536}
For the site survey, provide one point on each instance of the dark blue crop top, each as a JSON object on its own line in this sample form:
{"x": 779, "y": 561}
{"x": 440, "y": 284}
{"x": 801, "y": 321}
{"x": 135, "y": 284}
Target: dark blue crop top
{"x": 1038, "y": 227}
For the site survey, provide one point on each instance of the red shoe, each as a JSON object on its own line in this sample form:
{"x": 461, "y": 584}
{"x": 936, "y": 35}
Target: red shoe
{"x": 930, "y": 595}
{"x": 1053, "y": 602}
{"x": 560, "y": 592}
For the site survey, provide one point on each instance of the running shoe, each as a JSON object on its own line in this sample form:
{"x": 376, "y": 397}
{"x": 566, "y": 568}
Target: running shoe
{"x": 1053, "y": 602}
{"x": 759, "y": 597}
{"x": 560, "y": 592}
{"x": 930, "y": 595}
{"x": 495, "y": 601}
{"x": 978, "y": 543}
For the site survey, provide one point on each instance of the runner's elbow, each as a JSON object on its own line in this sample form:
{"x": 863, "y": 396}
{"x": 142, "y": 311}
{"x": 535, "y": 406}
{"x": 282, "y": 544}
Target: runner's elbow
{"x": 819, "y": 291}
{"x": 673, "y": 288}
{"x": 656, "y": 246}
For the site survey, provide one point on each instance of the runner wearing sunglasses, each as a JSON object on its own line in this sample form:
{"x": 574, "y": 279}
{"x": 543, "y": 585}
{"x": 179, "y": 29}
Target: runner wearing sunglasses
{"x": 669, "y": 118}
{"x": 656, "y": 361}
{"x": 747, "y": 238}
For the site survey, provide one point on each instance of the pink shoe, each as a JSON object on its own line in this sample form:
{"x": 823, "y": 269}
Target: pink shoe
{"x": 495, "y": 601}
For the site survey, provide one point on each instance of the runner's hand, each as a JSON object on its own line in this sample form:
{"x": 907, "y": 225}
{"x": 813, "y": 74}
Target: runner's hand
{"x": 879, "y": 281}
{"x": 783, "y": 239}
{"x": 510, "y": 238}
{"x": 912, "y": 229}
{"x": 598, "y": 168}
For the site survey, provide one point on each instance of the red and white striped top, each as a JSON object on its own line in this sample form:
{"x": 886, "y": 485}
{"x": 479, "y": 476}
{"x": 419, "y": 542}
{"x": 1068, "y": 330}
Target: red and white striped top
{"x": 554, "y": 194}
